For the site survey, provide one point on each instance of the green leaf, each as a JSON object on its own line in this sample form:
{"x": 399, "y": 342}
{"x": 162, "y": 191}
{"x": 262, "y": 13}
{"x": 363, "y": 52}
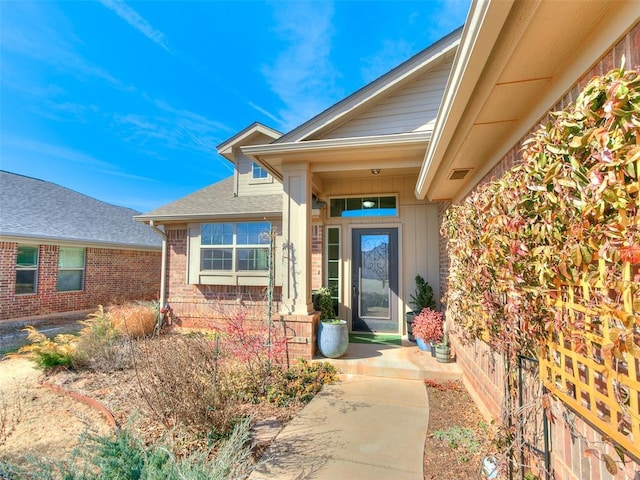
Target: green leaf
{"x": 610, "y": 463}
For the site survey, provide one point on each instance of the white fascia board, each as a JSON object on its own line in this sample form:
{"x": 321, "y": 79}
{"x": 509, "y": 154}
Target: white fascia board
{"x": 336, "y": 144}
{"x": 67, "y": 242}
{"x": 482, "y": 28}
{"x": 368, "y": 92}
{"x": 226, "y": 148}
{"x": 199, "y": 217}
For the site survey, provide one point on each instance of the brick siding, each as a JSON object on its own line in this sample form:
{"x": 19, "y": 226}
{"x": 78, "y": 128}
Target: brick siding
{"x": 111, "y": 276}
{"x": 207, "y": 306}
{"x": 483, "y": 375}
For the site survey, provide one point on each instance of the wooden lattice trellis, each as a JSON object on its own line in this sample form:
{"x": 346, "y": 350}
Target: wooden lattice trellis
{"x": 583, "y": 373}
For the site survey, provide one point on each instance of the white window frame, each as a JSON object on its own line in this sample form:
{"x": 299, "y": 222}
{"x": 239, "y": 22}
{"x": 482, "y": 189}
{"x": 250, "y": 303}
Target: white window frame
{"x": 340, "y": 259}
{"x": 82, "y": 269}
{"x": 198, "y": 275}
{"x": 259, "y": 173}
{"x": 33, "y": 268}
{"x": 363, "y": 198}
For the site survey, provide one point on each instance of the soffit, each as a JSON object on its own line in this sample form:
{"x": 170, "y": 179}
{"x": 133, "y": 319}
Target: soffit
{"x": 542, "y": 48}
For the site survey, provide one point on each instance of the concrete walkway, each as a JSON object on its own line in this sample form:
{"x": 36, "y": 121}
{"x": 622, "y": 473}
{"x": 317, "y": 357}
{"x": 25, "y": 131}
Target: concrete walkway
{"x": 361, "y": 428}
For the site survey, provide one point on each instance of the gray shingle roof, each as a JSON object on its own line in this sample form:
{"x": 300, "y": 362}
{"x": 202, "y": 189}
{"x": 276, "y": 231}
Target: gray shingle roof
{"x": 216, "y": 200}
{"x": 43, "y": 210}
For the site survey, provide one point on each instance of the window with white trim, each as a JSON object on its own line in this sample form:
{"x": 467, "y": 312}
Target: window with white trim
{"x": 71, "y": 263}
{"x": 258, "y": 172}
{"x": 234, "y": 247}
{"x": 26, "y": 270}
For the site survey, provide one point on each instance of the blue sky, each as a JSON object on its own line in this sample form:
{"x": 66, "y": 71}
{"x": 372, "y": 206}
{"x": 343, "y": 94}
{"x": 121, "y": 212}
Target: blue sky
{"x": 126, "y": 101}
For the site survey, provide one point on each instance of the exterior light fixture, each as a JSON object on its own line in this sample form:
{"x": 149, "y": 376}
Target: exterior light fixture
{"x": 375, "y": 171}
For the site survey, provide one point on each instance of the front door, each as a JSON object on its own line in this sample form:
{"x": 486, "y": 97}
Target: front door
{"x": 375, "y": 280}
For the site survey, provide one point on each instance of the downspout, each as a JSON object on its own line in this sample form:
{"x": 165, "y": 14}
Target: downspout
{"x": 163, "y": 264}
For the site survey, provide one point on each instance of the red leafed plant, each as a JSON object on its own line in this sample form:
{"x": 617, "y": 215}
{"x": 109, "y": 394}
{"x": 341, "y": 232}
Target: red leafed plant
{"x": 427, "y": 325}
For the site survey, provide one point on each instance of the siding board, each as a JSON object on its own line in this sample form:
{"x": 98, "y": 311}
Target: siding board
{"x": 248, "y": 186}
{"x": 407, "y": 110}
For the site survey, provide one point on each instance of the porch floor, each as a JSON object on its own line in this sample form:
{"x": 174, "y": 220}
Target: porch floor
{"x": 405, "y": 362}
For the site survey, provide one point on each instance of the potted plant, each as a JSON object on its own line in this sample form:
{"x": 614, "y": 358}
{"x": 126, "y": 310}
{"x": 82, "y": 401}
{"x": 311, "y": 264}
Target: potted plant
{"x": 427, "y": 327}
{"x": 333, "y": 334}
{"x": 443, "y": 350}
{"x": 421, "y": 299}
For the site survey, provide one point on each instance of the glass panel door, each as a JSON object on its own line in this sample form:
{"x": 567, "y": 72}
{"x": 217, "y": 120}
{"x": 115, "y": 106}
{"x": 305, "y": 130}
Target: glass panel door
{"x": 375, "y": 280}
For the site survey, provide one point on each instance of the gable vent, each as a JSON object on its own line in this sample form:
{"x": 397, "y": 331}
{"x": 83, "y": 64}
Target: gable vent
{"x": 459, "y": 174}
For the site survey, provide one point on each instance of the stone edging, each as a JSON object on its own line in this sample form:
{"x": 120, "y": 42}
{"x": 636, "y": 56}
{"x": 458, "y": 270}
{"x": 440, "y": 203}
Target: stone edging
{"x": 88, "y": 401}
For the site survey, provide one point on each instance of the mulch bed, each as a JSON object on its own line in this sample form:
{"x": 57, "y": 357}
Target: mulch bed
{"x": 451, "y": 406}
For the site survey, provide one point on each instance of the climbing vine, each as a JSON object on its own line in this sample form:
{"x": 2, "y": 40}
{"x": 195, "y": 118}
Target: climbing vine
{"x": 548, "y": 255}
{"x": 573, "y": 200}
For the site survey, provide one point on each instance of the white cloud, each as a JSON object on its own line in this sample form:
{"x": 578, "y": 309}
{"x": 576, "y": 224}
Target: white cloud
{"x": 302, "y": 75}
{"x": 264, "y": 112}
{"x": 40, "y": 32}
{"x": 134, "y": 19}
{"x": 57, "y": 151}
{"x": 171, "y": 127}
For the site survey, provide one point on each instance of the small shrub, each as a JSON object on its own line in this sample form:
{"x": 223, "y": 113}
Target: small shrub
{"x": 134, "y": 319}
{"x": 461, "y": 439}
{"x": 126, "y": 457}
{"x": 181, "y": 382}
{"x": 423, "y": 296}
{"x": 301, "y": 382}
{"x": 324, "y": 303}
{"x": 48, "y": 353}
{"x": 102, "y": 346}
{"x": 427, "y": 325}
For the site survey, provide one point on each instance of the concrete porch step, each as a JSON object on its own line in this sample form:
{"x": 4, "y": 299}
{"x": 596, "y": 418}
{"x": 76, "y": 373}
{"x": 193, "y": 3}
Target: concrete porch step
{"x": 406, "y": 362}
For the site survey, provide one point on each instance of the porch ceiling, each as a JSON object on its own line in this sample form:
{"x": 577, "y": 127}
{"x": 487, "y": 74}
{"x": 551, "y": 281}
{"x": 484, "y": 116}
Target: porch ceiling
{"x": 331, "y": 158}
{"x": 522, "y": 57}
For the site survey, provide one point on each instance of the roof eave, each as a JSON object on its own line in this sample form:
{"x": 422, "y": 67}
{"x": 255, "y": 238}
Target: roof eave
{"x": 482, "y": 28}
{"x": 76, "y": 242}
{"x": 198, "y": 217}
{"x": 335, "y": 144}
{"x": 226, "y": 148}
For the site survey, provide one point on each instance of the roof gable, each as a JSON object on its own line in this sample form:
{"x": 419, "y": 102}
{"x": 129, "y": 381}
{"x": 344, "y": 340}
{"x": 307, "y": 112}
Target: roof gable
{"x": 33, "y": 208}
{"x": 254, "y": 133}
{"x": 410, "y": 107}
{"x": 373, "y": 93}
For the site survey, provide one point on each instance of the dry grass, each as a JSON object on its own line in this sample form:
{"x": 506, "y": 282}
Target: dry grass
{"x": 134, "y": 319}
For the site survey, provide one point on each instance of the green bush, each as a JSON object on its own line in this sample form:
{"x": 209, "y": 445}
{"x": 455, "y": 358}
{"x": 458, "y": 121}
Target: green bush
{"x": 126, "y": 457}
{"x": 48, "y": 353}
{"x": 324, "y": 303}
{"x": 423, "y": 297}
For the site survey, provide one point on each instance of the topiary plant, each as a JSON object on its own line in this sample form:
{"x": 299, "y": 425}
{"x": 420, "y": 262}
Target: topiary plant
{"x": 324, "y": 303}
{"x": 423, "y": 297}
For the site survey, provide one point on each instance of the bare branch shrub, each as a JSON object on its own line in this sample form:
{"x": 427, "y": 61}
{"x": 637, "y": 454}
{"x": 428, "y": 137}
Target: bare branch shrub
{"x": 102, "y": 345}
{"x": 179, "y": 381}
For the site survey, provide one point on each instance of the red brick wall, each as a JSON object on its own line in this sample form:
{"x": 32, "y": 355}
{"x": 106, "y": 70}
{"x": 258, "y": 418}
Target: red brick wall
{"x": 207, "y": 306}
{"x": 483, "y": 376}
{"x": 111, "y": 276}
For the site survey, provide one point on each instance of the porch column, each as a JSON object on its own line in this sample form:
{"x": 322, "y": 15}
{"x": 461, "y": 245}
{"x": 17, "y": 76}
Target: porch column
{"x": 296, "y": 250}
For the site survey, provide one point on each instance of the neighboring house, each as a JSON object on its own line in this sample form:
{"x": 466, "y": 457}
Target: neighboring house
{"x": 517, "y": 62}
{"x": 339, "y": 192}
{"x": 63, "y": 251}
